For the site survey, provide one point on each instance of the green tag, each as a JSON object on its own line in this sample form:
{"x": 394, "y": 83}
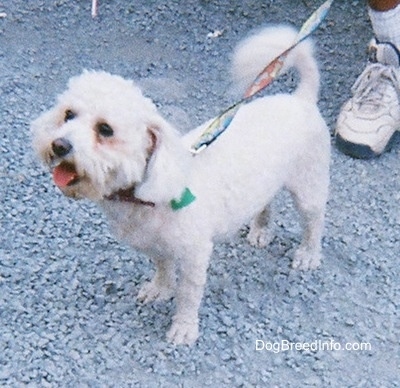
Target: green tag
{"x": 186, "y": 199}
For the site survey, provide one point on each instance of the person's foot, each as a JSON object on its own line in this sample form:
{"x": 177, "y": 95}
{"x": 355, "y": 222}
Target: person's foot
{"x": 370, "y": 119}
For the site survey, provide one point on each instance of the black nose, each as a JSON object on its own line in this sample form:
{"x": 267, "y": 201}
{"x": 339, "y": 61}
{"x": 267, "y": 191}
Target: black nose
{"x": 61, "y": 147}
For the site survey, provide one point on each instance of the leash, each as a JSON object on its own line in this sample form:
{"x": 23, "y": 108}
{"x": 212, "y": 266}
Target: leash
{"x": 265, "y": 78}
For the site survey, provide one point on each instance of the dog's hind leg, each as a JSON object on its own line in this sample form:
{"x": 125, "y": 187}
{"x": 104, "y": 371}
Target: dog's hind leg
{"x": 260, "y": 233}
{"x": 308, "y": 255}
{"x": 162, "y": 286}
{"x": 309, "y": 186}
{"x": 311, "y": 202}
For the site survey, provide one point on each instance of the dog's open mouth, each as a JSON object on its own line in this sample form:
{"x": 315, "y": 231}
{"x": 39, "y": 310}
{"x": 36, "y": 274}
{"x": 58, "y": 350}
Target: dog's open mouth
{"x": 65, "y": 174}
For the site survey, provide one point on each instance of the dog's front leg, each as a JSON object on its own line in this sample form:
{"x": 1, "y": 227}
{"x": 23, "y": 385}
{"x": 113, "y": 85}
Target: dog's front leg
{"x": 185, "y": 323}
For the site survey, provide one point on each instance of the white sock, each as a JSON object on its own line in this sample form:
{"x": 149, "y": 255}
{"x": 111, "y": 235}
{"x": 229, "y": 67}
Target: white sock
{"x": 386, "y": 25}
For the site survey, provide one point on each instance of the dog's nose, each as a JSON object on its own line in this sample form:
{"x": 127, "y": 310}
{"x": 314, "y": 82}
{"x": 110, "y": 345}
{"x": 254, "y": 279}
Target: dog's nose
{"x": 61, "y": 147}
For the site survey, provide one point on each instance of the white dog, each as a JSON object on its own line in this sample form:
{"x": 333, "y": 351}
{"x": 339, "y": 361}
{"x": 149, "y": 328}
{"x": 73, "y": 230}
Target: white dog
{"x": 106, "y": 142}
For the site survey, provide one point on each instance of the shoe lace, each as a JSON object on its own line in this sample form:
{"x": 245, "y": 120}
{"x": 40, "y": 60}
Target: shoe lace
{"x": 371, "y": 89}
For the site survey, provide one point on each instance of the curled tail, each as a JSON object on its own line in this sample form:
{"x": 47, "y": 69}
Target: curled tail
{"x": 254, "y": 53}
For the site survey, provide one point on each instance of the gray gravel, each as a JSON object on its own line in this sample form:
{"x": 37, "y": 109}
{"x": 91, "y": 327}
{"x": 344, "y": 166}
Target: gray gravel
{"x": 68, "y": 314}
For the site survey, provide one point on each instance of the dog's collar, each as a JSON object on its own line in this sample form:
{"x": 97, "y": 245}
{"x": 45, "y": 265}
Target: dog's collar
{"x": 128, "y": 195}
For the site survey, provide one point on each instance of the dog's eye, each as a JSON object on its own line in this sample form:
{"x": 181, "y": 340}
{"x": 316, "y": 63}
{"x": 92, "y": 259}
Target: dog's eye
{"x": 69, "y": 115}
{"x": 105, "y": 130}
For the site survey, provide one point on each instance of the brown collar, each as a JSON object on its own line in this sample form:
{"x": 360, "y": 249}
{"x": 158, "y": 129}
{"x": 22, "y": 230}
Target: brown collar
{"x": 128, "y": 195}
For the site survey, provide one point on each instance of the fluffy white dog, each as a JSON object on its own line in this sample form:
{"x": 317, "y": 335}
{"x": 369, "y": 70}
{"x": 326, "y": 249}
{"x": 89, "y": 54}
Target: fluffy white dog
{"x": 105, "y": 141}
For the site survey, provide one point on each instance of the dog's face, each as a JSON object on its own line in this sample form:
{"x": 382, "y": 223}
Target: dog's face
{"x": 95, "y": 139}
{"x": 100, "y": 136}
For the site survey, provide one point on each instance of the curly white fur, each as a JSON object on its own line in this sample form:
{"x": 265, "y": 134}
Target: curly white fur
{"x": 273, "y": 142}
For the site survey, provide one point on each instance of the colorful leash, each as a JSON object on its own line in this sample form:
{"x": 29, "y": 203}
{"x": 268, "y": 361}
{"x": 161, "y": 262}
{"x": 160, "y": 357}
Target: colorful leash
{"x": 265, "y": 78}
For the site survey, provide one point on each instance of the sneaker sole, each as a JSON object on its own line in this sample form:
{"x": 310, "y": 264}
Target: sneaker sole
{"x": 362, "y": 151}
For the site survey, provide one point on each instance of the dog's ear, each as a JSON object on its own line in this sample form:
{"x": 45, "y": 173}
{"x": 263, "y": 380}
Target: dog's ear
{"x": 43, "y": 125}
{"x": 167, "y": 165}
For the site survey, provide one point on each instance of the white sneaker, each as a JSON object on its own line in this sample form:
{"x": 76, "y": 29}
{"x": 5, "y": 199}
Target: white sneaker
{"x": 369, "y": 121}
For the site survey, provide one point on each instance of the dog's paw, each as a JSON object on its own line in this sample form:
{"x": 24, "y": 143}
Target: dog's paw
{"x": 305, "y": 259}
{"x": 151, "y": 292}
{"x": 183, "y": 333}
{"x": 260, "y": 237}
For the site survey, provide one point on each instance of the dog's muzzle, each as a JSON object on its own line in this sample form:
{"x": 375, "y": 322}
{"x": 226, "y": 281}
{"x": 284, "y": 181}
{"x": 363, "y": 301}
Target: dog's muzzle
{"x": 64, "y": 172}
{"x": 61, "y": 147}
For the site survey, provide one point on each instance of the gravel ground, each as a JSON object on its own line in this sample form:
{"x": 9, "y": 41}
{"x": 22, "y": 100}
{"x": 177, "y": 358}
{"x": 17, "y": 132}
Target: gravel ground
{"x": 68, "y": 314}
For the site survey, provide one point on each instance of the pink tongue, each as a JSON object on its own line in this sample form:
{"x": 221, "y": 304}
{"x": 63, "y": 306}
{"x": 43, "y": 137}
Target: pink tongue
{"x": 64, "y": 174}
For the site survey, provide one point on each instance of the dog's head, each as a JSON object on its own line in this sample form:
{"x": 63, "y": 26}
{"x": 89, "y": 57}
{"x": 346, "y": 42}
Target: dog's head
{"x": 104, "y": 136}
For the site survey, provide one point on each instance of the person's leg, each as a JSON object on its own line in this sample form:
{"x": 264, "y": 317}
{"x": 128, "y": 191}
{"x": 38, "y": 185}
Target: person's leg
{"x": 383, "y": 5}
{"x": 385, "y": 16}
{"x": 369, "y": 121}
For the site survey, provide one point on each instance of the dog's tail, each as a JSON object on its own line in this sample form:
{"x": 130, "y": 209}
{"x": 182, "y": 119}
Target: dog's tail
{"x": 254, "y": 53}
